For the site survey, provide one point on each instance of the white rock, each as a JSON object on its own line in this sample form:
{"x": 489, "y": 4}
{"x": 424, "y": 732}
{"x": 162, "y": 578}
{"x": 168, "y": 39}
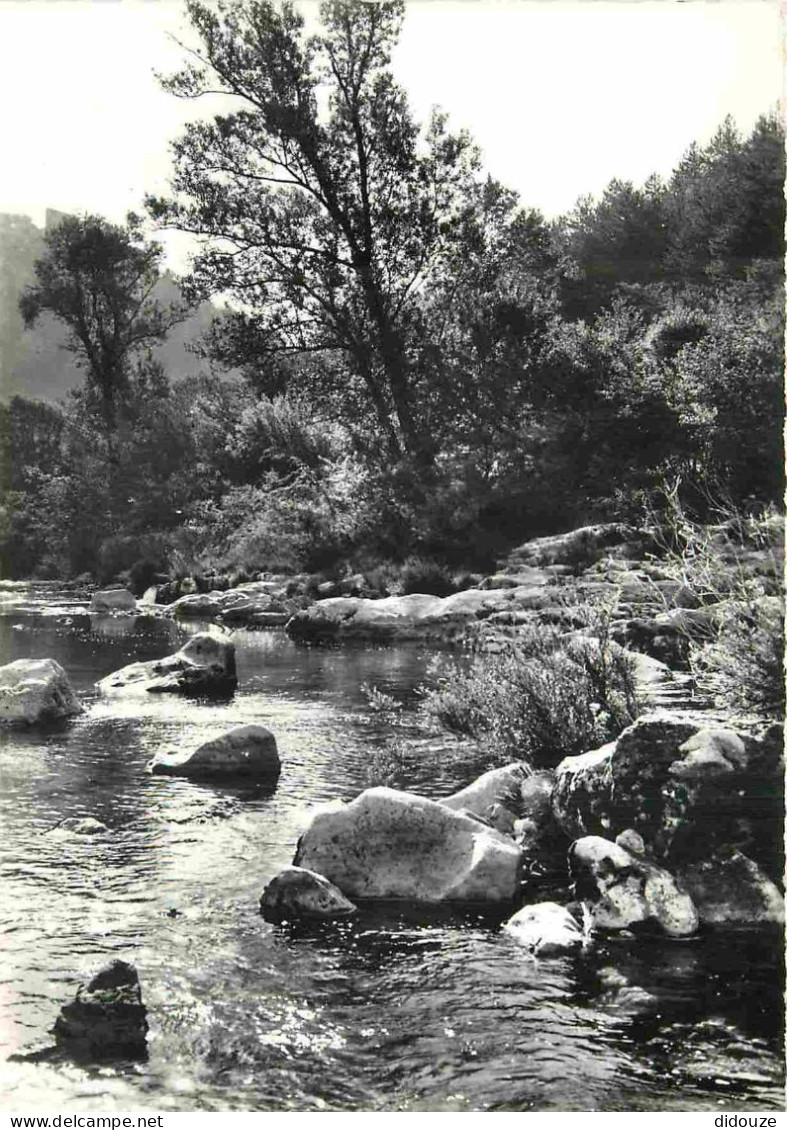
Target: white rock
{"x": 113, "y": 600}
{"x": 545, "y": 928}
{"x": 36, "y": 690}
{"x": 204, "y": 665}
{"x": 391, "y": 844}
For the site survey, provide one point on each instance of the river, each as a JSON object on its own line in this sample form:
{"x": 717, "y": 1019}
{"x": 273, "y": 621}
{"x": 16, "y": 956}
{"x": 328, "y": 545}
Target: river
{"x": 397, "y": 1009}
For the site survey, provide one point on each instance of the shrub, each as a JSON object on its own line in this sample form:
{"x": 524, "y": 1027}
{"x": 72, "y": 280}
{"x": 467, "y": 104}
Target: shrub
{"x": 734, "y": 567}
{"x": 419, "y": 574}
{"x": 550, "y": 697}
{"x": 743, "y": 667}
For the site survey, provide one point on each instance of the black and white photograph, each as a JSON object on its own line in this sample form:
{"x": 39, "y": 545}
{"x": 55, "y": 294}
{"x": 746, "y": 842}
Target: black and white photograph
{"x": 392, "y": 469}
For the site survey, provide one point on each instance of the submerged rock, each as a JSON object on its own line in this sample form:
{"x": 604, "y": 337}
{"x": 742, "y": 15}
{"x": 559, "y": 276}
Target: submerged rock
{"x": 36, "y": 690}
{"x": 625, "y": 890}
{"x": 113, "y": 600}
{"x": 391, "y": 844}
{"x": 733, "y": 890}
{"x": 546, "y": 929}
{"x": 246, "y": 751}
{"x": 107, "y": 1019}
{"x": 204, "y": 665}
{"x": 79, "y": 826}
{"x": 297, "y": 892}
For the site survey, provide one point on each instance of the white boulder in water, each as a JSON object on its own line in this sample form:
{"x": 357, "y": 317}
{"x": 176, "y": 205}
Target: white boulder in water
{"x": 546, "y": 929}
{"x": 297, "y": 892}
{"x": 113, "y": 600}
{"x": 204, "y": 665}
{"x": 391, "y": 844}
{"x": 246, "y": 751}
{"x": 36, "y": 690}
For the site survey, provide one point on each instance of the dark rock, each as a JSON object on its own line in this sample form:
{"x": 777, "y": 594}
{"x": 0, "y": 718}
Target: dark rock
{"x": 297, "y": 892}
{"x": 246, "y": 751}
{"x": 731, "y": 889}
{"x": 685, "y": 786}
{"x": 107, "y": 1019}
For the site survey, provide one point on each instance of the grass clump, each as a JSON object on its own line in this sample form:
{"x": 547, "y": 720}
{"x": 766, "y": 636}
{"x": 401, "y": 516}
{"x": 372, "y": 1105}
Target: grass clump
{"x": 549, "y": 697}
{"x": 734, "y": 569}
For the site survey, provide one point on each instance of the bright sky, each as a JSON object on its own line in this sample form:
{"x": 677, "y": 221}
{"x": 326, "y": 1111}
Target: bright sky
{"x": 561, "y": 97}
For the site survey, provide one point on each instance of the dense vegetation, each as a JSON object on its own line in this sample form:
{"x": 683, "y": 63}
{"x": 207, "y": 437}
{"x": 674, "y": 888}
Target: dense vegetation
{"x": 428, "y": 369}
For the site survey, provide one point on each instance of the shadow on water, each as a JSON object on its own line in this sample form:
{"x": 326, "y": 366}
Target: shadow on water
{"x": 397, "y": 1008}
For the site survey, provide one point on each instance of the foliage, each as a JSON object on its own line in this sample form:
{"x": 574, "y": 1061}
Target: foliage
{"x": 419, "y": 574}
{"x": 733, "y": 568}
{"x": 326, "y": 209}
{"x": 98, "y": 278}
{"x": 549, "y": 698}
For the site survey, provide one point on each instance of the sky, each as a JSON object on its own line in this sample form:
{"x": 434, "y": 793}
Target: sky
{"x": 561, "y": 97}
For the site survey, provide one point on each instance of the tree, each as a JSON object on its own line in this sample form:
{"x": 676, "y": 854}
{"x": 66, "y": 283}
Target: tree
{"x": 98, "y": 279}
{"x": 328, "y": 212}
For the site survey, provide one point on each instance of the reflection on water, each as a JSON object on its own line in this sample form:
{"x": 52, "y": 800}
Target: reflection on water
{"x": 397, "y": 1009}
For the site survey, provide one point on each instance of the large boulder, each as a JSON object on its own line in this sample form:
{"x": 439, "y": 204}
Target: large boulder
{"x": 687, "y": 785}
{"x": 546, "y": 929}
{"x": 391, "y": 844}
{"x": 204, "y": 665}
{"x": 581, "y": 547}
{"x": 731, "y": 889}
{"x": 627, "y": 891}
{"x": 495, "y": 796}
{"x": 197, "y": 606}
{"x": 36, "y": 691}
{"x": 113, "y": 600}
{"x": 246, "y": 751}
{"x": 107, "y": 1019}
{"x": 418, "y": 616}
{"x": 297, "y": 892}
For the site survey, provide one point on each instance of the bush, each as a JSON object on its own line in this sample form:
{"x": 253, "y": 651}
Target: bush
{"x": 545, "y": 700}
{"x": 733, "y": 567}
{"x": 419, "y": 574}
{"x": 743, "y": 668}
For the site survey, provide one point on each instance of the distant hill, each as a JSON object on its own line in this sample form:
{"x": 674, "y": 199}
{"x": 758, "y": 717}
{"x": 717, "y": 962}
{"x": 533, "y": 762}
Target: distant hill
{"x": 34, "y": 362}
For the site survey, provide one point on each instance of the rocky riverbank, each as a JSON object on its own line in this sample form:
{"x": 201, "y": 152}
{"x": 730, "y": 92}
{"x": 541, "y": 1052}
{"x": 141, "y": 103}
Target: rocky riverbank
{"x": 672, "y": 829}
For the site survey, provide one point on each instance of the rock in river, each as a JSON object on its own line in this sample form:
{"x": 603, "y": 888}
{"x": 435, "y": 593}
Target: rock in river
{"x": 297, "y": 892}
{"x": 107, "y": 1019}
{"x": 204, "y": 665}
{"x": 731, "y": 889}
{"x": 36, "y": 690}
{"x": 391, "y": 844}
{"x": 686, "y": 786}
{"x": 546, "y": 929}
{"x": 495, "y": 796}
{"x": 246, "y": 751}
{"x": 113, "y": 600}
{"x": 626, "y": 890}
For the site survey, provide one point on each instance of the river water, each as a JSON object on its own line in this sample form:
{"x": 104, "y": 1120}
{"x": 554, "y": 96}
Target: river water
{"x": 395, "y": 1010}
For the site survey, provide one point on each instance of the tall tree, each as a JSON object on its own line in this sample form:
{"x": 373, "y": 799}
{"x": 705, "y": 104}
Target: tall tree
{"x": 327, "y": 209}
{"x": 98, "y": 279}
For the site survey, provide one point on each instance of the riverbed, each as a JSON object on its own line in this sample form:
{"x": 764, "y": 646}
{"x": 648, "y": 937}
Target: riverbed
{"x": 397, "y": 1009}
